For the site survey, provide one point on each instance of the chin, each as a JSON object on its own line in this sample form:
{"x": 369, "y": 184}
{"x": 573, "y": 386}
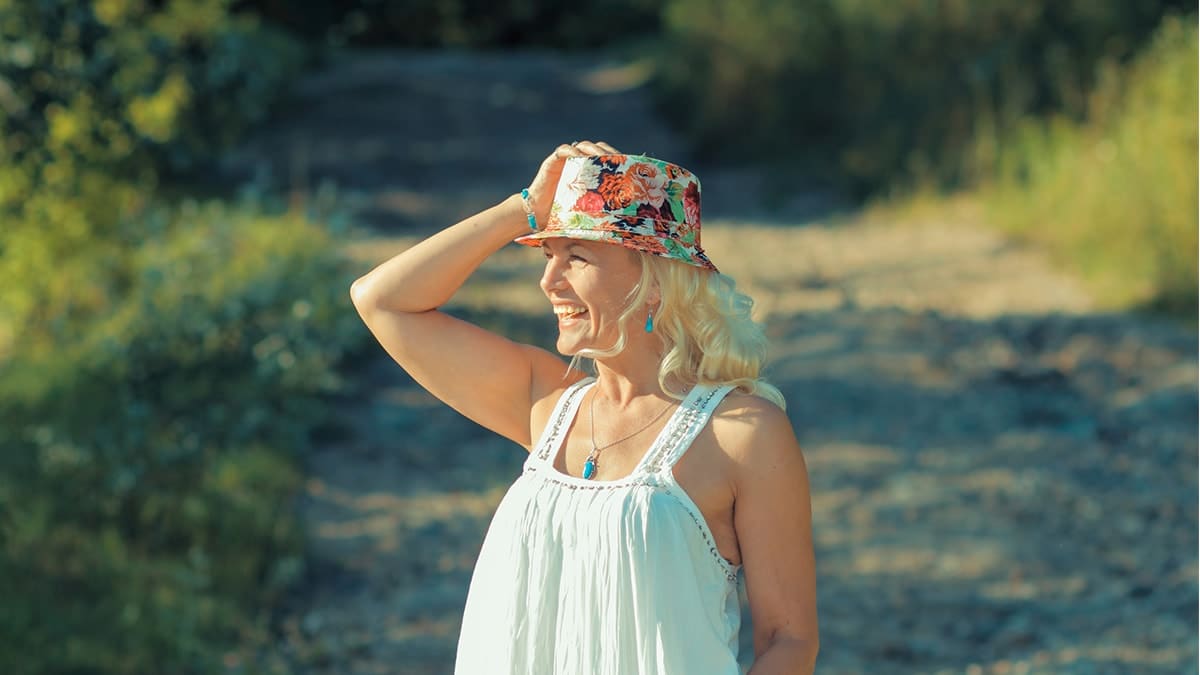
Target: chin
{"x": 571, "y": 349}
{"x": 571, "y": 345}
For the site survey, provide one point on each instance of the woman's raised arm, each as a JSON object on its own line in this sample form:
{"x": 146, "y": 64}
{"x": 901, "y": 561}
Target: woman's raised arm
{"x": 486, "y": 377}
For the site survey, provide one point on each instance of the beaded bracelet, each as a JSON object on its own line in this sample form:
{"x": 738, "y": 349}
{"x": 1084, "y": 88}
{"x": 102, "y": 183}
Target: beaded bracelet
{"x": 528, "y": 209}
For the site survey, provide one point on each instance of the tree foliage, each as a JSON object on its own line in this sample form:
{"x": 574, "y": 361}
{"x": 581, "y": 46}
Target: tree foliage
{"x": 884, "y": 92}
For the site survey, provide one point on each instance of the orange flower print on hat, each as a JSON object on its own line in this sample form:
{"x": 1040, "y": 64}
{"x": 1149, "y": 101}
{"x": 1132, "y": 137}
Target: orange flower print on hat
{"x": 647, "y": 184}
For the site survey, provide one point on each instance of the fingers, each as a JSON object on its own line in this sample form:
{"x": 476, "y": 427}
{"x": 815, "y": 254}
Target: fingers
{"x": 580, "y": 149}
{"x": 561, "y": 153}
{"x": 547, "y": 177}
{"x": 595, "y": 148}
{"x": 566, "y": 150}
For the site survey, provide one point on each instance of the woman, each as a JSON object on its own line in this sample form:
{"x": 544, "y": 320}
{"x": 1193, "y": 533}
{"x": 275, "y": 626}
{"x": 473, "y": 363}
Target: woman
{"x": 649, "y": 486}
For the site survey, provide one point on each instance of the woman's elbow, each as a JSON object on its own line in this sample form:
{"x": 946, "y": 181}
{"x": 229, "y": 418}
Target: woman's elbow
{"x": 788, "y": 654}
{"x": 358, "y": 292}
{"x": 810, "y": 649}
{"x": 804, "y": 649}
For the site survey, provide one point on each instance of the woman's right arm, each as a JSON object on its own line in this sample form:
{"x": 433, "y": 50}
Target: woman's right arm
{"x": 486, "y": 377}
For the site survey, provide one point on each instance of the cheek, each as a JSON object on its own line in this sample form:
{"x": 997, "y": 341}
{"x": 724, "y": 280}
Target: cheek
{"x": 610, "y": 306}
{"x": 608, "y": 286}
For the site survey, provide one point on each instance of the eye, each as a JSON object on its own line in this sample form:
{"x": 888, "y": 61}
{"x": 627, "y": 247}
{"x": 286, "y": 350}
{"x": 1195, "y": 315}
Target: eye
{"x": 578, "y": 257}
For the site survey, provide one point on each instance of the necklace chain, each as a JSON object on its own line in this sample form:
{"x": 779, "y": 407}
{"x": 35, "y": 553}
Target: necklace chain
{"x": 592, "y": 425}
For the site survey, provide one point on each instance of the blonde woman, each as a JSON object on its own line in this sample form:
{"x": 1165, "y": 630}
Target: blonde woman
{"x": 650, "y": 486}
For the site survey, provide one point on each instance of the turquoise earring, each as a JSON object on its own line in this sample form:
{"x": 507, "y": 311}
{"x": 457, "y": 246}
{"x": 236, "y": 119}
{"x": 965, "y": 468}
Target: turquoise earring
{"x": 650, "y": 321}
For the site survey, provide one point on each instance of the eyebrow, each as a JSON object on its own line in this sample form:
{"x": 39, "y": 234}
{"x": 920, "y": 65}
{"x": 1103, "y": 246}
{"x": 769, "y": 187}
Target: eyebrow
{"x": 573, "y": 246}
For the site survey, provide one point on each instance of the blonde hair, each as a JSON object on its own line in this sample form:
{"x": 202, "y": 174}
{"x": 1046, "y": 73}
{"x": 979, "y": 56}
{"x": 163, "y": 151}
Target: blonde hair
{"x": 705, "y": 326}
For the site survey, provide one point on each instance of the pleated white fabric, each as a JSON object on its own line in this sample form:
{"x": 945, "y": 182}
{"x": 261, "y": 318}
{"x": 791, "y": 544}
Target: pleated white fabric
{"x": 588, "y": 577}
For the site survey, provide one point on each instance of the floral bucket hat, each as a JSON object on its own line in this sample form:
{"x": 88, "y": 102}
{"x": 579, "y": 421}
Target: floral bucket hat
{"x": 634, "y": 201}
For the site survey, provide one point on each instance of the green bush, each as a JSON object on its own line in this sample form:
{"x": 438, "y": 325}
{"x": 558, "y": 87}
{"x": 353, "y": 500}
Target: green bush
{"x": 131, "y": 86}
{"x": 1116, "y": 197}
{"x": 162, "y": 366}
{"x": 877, "y": 92}
{"x": 149, "y": 451}
{"x": 97, "y": 100}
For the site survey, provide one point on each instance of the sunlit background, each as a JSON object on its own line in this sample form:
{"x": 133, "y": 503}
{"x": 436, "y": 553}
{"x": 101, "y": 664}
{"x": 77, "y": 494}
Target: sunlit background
{"x": 970, "y": 229}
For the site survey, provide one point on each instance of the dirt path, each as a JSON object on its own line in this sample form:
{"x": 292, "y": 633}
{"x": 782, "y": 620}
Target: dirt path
{"x": 1004, "y": 480}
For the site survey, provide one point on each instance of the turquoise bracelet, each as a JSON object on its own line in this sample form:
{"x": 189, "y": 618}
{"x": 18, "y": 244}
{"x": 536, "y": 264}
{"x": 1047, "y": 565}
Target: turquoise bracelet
{"x": 528, "y": 209}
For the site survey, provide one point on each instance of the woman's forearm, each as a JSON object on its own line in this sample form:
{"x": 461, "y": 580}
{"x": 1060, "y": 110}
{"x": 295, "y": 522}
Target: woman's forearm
{"x": 786, "y": 657}
{"x": 425, "y": 276}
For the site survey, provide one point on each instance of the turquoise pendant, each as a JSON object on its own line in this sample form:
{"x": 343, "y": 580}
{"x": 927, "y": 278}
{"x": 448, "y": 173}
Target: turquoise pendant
{"x": 589, "y": 468}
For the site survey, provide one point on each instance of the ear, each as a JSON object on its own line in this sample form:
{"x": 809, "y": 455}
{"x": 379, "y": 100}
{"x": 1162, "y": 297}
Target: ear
{"x": 654, "y": 292}
{"x": 654, "y": 295}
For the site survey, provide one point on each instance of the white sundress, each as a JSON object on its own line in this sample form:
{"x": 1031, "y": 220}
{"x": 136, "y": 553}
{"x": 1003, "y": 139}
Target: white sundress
{"x": 595, "y": 577}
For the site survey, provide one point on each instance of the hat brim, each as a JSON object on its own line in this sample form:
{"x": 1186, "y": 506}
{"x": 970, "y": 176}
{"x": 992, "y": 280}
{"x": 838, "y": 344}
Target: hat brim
{"x": 636, "y": 242}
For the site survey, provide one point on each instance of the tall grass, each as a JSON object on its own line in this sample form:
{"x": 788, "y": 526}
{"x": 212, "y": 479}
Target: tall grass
{"x": 1114, "y": 198}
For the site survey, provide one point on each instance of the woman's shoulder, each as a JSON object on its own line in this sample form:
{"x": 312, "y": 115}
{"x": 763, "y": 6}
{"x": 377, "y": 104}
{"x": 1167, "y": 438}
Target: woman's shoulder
{"x": 749, "y": 425}
{"x": 741, "y": 407}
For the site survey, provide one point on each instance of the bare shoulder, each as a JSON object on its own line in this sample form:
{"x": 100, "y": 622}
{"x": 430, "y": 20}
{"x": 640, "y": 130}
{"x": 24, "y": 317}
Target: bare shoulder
{"x": 750, "y": 428}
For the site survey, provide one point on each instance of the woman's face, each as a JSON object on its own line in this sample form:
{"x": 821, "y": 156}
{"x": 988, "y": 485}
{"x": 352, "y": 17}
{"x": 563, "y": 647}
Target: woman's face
{"x": 589, "y": 284}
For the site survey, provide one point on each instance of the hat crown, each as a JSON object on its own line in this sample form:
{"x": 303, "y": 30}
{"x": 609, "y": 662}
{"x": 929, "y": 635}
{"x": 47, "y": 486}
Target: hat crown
{"x": 635, "y": 201}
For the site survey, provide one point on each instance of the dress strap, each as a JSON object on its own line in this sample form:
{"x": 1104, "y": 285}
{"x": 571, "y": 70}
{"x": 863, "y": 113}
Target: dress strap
{"x": 693, "y": 415}
{"x": 560, "y": 420}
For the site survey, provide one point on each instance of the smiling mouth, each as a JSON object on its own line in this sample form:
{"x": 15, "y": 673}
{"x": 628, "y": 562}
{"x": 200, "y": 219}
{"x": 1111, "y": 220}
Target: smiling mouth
{"x": 568, "y": 313}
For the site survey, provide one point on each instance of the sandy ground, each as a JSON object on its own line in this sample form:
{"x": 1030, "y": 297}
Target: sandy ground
{"x": 1004, "y": 478}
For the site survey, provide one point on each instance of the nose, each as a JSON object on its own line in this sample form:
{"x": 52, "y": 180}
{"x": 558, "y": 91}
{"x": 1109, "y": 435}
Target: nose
{"x": 552, "y": 278}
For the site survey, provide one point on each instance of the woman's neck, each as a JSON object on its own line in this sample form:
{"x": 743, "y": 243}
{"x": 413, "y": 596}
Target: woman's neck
{"x": 631, "y": 375}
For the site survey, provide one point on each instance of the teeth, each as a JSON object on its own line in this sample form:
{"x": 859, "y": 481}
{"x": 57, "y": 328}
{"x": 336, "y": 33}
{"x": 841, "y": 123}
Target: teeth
{"x": 567, "y": 312}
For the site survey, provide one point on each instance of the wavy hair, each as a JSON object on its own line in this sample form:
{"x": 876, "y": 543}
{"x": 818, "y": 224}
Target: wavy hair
{"x": 705, "y": 326}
